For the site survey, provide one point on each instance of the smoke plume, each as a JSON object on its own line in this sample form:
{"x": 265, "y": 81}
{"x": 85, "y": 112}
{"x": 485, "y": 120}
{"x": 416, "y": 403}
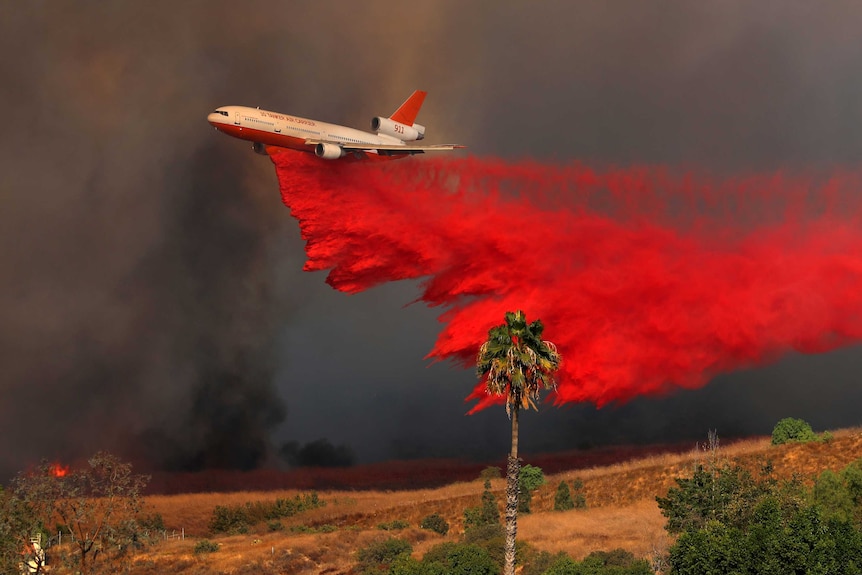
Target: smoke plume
{"x": 645, "y": 279}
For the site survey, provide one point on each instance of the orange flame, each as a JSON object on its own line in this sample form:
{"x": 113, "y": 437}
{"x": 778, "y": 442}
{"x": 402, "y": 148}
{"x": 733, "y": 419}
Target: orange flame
{"x": 58, "y": 470}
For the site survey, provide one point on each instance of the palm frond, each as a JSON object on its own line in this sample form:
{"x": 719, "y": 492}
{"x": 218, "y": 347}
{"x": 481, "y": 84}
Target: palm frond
{"x": 516, "y": 362}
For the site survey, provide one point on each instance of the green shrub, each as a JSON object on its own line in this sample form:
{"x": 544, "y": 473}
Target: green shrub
{"x": 563, "y": 498}
{"x": 458, "y": 559}
{"x": 393, "y": 525}
{"x": 275, "y": 526}
{"x": 379, "y": 556}
{"x": 205, "y": 546}
{"x": 615, "y": 562}
{"x": 484, "y": 533}
{"x": 563, "y": 565}
{"x": 491, "y": 472}
{"x": 579, "y": 498}
{"x": 153, "y": 522}
{"x": 237, "y": 519}
{"x": 729, "y": 522}
{"x": 791, "y": 429}
{"x": 405, "y": 564}
{"x": 325, "y": 528}
{"x": 230, "y": 520}
{"x": 435, "y": 523}
{"x": 438, "y": 553}
{"x": 538, "y": 562}
{"x": 470, "y": 560}
{"x": 530, "y": 478}
{"x": 485, "y": 514}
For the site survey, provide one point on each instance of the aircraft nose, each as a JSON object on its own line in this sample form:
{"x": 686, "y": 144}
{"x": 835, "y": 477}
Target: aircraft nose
{"x": 213, "y": 118}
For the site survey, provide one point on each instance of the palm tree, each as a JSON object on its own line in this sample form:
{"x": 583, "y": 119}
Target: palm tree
{"x": 517, "y": 363}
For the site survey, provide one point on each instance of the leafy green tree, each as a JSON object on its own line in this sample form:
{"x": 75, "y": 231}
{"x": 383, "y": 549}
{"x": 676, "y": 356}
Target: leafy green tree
{"x": 832, "y": 497}
{"x": 730, "y": 523}
{"x": 436, "y": 523}
{"x": 516, "y": 363}
{"x": 579, "y": 498}
{"x": 529, "y": 480}
{"x": 379, "y": 557}
{"x": 563, "y": 498}
{"x": 791, "y": 429}
{"x": 486, "y": 513}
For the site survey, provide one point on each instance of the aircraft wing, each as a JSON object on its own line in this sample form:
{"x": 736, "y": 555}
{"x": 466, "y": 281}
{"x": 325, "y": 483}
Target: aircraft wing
{"x": 386, "y": 149}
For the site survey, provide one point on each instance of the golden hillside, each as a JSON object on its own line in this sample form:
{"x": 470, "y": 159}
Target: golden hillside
{"x": 621, "y": 497}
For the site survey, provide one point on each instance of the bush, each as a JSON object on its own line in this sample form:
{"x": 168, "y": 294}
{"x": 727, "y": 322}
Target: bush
{"x": 529, "y": 479}
{"x": 579, "y": 498}
{"x": 616, "y": 561}
{"x": 275, "y": 526}
{"x": 791, "y": 429}
{"x": 563, "y": 498}
{"x": 394, "y": 525}
{"x": 728, "y": 522}
{"x": 325, "y": 528}
{"x": 485, "y": 514}
{"x": 435, "y": 523}
{"x": 153, "y": 522}
{"x": 205, "y": 546}
{"x": 539, "y": 562}
{"x": 230, "y": 520}
{"x": 458, "y": 559}
{"x": 237, "y": 519}
{"x": 378, "y": 557}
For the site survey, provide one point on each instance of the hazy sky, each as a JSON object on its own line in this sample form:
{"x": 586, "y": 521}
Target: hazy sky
{"x": 152, "y": 299}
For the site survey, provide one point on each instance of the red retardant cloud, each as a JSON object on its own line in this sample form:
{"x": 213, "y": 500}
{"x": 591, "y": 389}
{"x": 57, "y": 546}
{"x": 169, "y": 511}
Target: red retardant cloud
{"x": 645, "y": 279}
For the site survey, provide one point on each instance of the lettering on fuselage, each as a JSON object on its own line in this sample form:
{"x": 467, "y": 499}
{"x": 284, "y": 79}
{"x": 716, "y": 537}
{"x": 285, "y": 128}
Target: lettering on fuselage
{"x": 287, "y": 118}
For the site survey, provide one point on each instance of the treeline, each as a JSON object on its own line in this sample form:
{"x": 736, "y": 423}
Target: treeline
{"x": 729, "y": 521}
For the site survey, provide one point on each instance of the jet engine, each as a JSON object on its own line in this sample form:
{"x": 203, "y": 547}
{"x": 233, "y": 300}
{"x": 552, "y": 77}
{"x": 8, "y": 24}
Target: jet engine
{"x": 398, "y": 130}
{"x": 328, "y": 151}
{"x": 259, "y": 148}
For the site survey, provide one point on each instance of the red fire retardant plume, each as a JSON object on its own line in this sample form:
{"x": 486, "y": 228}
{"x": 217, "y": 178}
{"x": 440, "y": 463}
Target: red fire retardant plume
{"x": 645, "y": 278}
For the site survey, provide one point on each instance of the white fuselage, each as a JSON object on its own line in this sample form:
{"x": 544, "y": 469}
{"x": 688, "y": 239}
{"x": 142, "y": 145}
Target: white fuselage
{"x": 286, "y": 131}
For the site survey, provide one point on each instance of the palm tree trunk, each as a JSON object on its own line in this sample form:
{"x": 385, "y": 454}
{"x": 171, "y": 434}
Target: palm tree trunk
{"x": 513, "y": 469}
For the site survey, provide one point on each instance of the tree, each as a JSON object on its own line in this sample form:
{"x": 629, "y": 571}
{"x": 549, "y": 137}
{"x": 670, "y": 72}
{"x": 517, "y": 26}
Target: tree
{"x": 97, "y": 504}
{"x": 18, "y": 525}
{"x": 563, "y": 498}
{"x": 484, "y": 514}
{"x": 517, "y": 364}
{"x": 530, "y": 479}
{"x": 731, "y": 523}
{"x": 791, "y": 429}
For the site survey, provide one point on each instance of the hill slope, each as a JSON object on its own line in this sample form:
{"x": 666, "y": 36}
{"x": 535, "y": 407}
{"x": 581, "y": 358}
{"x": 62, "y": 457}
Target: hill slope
{"x": 621, "y": 497}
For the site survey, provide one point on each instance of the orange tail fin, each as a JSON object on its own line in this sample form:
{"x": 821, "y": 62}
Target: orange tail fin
{"x": 407, "y": 112}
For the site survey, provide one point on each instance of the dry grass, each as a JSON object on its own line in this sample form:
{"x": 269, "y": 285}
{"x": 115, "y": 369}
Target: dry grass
{"x": 621, "y": 496}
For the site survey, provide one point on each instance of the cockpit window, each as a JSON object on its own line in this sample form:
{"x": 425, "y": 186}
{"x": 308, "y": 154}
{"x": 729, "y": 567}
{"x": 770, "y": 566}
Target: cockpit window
{"x": 222, "y": 112}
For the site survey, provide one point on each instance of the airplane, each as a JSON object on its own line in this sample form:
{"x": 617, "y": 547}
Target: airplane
{"x": 329, "y": 141}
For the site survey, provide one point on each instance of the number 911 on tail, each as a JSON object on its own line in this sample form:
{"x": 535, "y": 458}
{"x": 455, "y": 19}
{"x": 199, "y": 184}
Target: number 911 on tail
{"x": 393, "y": 137}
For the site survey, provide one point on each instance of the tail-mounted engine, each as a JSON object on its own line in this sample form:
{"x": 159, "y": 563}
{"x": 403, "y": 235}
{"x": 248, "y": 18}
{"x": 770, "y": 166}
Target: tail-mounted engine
{"x": 398, "y": 130}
